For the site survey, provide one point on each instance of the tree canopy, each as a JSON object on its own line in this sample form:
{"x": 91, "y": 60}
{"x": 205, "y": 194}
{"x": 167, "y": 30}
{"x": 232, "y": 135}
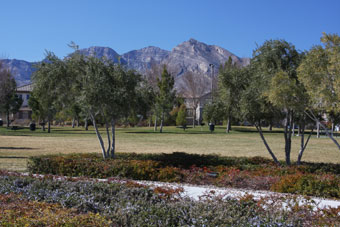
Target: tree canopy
{"x": 9, "y": 100}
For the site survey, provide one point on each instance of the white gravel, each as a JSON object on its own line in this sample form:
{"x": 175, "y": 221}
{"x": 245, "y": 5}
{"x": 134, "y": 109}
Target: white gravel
{"x": 198, "y": 192}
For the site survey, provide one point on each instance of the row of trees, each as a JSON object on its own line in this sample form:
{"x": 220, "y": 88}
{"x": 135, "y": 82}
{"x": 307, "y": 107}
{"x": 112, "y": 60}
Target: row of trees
{"x": 97, "y": 90}
{"x": 282, "y": 86}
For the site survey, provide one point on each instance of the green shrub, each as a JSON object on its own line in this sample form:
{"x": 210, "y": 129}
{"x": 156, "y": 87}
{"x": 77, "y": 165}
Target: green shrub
{"x": 16, "y": 211}
{"x": 308, "y": 184}
{"x": 134, "y": 205}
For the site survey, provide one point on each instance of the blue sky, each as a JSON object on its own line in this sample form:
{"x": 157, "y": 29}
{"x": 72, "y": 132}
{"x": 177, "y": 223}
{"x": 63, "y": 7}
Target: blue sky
{"x": 28, "y": 28}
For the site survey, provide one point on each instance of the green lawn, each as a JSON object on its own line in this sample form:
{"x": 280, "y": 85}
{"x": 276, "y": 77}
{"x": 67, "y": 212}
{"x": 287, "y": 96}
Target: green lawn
{"x": 17, "y": 145}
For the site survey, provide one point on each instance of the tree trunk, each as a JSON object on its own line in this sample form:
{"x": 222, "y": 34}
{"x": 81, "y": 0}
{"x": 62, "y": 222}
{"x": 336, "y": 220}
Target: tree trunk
{"x": 293, "y": 129}
{"x": 317, "y": 129}
{"x": 7, "y": 118}
{"x": 194, "y": 119}
{"x": 329, "y": 135}
{"x": 332, "y": 129}
{"x": 228, "y": 125}
{"x": 98, "y": 135}
{"x": 155, "y": 126}
{"x": 259, "y": 129}
{"x": 303, "y": 145}
{"x": 48, "y": 126}
{"x": 162, "y": 122}
{"x": 86, "y": 125}
{"x": 311, "y": 115}
{"x": 73, "y": 122}
{"x": 113, "y": 144}
{"x": 43, "y": 125}
{"x": 108, "y": 139}
{"x": 288, "y": 135}
{"x": 150, "y": 121}
{"x": 270, "y": 126}
{"x": 299, "y": 129}
{"x": 77, "y": 121}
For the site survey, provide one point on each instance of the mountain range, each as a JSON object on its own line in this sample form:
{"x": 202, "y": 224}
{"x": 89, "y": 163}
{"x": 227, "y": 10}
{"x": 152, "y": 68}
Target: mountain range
{"x": 191, "y": 55}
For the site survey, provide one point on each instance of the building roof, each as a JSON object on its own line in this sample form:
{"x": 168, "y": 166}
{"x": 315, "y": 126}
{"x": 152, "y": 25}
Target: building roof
{"x": 25, "y": 88}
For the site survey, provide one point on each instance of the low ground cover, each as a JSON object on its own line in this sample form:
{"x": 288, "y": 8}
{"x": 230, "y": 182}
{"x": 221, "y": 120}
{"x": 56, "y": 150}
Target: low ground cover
{"x": 130, "y": 204}
{"x": 15, "y": 210}
{"x": 312, "y": 179}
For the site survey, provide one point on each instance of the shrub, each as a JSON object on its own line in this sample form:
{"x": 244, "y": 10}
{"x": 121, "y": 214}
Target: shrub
{"x": 133, "y": 205}
{"x": 17, "y": 211}
{"x": 311, "y": 185}
{"x": 252, "y": 173}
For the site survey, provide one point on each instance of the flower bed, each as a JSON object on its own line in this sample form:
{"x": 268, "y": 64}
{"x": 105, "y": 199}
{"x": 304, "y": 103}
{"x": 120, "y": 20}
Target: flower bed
{"x": 257, "y": 173}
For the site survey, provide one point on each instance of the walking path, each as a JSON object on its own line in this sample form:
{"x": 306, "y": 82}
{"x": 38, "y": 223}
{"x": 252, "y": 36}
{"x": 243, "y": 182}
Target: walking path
{"x": 198, "y": 192}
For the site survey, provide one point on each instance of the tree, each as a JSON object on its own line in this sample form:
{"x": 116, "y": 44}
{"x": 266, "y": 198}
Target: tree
{"x": 231, "y": 80}
{"x": 320, "y": 74}
{"x": 50, "y": 88}
{"x": 166, "y": 96}
{"x": 193, "y": 87}
{"x": 181, "y": 119}
{"x": 256, "y": 109}
{"x": 274, "y": 89}
{"x": 106, "y": 92}
{"x": 213, "y": 111}
{"x": 151, "y": 77}
{"x": 9, "y": 100}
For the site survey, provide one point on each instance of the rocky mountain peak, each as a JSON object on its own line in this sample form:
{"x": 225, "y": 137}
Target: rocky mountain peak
{"x": 101, "y": 52}
{"x": 142, "y": 59}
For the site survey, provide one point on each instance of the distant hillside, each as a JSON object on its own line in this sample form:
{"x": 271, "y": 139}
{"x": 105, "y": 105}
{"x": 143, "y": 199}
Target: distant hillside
{"x": 142, "y": 59}
{"x": 100, "y": 52}
{"x": 21, "y": 70}
{"x": 190, "y": 55}
{"x": 196, "y": 57}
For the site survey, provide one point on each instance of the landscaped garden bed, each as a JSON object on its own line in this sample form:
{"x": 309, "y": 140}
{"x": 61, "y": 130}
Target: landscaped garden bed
{"x": 73, "y": 201}
{"x": 311, "y": 179}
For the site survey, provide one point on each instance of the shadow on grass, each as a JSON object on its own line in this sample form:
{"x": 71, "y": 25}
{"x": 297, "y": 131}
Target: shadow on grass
{"x": 184, "y": 132}
{"x": 16, "y": 148}
{"x": 14, "y": 157}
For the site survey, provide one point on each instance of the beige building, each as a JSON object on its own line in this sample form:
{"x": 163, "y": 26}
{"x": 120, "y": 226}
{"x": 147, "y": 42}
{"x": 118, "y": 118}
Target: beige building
{"x": 190, "y": 106}
{"x": 23, "y": 117}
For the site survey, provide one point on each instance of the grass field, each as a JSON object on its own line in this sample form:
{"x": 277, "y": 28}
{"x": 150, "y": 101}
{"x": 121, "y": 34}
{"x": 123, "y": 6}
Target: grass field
{"x": 17, "y": 145}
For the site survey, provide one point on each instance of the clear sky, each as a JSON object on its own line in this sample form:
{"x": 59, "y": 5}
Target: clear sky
{"x": 28, "y": 28}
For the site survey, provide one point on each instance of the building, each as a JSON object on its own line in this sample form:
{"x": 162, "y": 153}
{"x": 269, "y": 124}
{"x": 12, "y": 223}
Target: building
{"x": 23, "y": 117}
{"x": 190, "y": 106}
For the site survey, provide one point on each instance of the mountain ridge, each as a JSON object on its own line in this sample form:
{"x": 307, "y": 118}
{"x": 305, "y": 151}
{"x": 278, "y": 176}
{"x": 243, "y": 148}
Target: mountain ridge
{"x": 191, "y": 55}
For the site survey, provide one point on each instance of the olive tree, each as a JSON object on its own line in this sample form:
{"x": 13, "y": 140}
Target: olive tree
{"x": 107, "y": 92}
{"x": 275, "y": 89}
{"x": 50, "y": 88}
{"x": 320, "y": 74}
{"x": 232, "y": 81}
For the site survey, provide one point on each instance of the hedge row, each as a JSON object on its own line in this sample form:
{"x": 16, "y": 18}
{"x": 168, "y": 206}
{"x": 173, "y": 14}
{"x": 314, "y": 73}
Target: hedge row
{"x": 252, "y": 173}
{"x": 186, "y": 161}
{"x": 133, "y": 205}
